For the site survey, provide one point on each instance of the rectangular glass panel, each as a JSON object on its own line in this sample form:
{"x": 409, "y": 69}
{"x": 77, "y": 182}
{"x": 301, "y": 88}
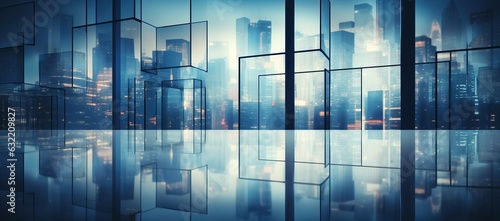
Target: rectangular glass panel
{"x": 173, "y": 45}
{"x": 18, "y": 25}
{"x": 308, "y": 25}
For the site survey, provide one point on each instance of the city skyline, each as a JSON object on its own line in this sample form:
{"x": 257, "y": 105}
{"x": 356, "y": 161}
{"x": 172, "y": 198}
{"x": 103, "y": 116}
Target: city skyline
{"x": 250, "y": 110}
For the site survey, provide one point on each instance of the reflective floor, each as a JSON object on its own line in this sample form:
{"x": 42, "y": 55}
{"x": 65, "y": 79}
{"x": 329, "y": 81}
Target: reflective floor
{"x": 239, "y": 175}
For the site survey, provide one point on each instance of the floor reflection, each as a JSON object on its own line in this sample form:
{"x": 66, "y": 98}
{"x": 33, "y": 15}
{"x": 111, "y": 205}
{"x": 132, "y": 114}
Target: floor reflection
{"x": 239, "y": 175}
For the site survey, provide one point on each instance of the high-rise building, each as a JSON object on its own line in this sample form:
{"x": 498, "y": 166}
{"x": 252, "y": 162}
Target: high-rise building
{"x": 482, "y": 29}
{"x": 374, "y": 108}
{"x": 259, "y": 42}
{"x": 482, "y": 36}
{"x": 59, "y": 33}
{"x": 347, "y": 26}
{"x": 253, "y": 37}
{"x": 342, "y": 45}
{"x": 181, "y": 46}
{"x": 488, "y": 88}
{"x": 364, "y": 29}
{"x": 388, "y": 22}
{"x": 259, "y": 37}
{"x": 242, "y": 36}
{"x": 452, "y": 28}
{"x": 62, "y": 69}
{"x": 424, "y": 50}
{"x": 435, "y": 34}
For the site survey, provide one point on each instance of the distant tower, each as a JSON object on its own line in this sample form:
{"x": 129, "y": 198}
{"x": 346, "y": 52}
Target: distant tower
{"x": 482, "y": 29}
{"x": 424, "y": 50}
{"x": 259, "y": 37}
{"x": 388, "y": 21}
{"x": 242, "y": 36}
{"x": 364, "y": 29}
{"x": 436, "y": 34}
{"x": 452, "y": 29}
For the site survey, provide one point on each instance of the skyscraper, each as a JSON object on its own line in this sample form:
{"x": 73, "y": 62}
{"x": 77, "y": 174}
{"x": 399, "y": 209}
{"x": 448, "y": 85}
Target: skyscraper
{"x": 388, "y": 22}
{"x": 242, "y": 36}
{"x": 342, "y": 45}
{"x": 436, "y": 34}
{"x": 482, "y": 36}
{"x": 364, "y": 29}
{"x": 259, "y": 37}
{"x": 259, "y": 42}
{"x": 181, "y": 46}
{"x": 453, "y": 30}
{"x": 253, "y": 37}
{"x": 482, "y": 29}
{"x": 424, "y": 50}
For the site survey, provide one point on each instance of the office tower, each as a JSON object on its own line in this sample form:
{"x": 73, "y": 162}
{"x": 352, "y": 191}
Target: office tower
{"x": 180, "y": 46}
{"x": 388, "y": 22}
{"x": 59, "y": 33}
{"x": 435, "y": 34}
{"x": 374, "y": 107}
{"x": 217, "y": 90}
{"x": 482, "y": 36}
{"x": 347, "y": 26}
{"x": 364, "y": 26}
{"x": 369, "y": 50}
{"x": 482, "y": 29}
{"x": 253, "y": 37}
{"x": 59, "y": 69}
{"x": 249, "y": 111}
{"x": 102, "y": 55}
{"x": 424, "y": 50}
{"x": 228, "y": 114}
{"x": 242, "y": 36}
{"x": 130, "y": 63}
{"x": 259, "y": 37}
{"x": 488, "y": 93}
{"x": 452, "y": 28}
{"x": 342, "y": 45}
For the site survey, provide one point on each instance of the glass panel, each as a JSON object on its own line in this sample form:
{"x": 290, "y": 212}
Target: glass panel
{"x": 12, "y": 63}
{"x": 354, "y": 190}
{"x": 18, "y": 25}
{"x": 182, "y": 114}
{"x": 173, "y": 45}
{"x": 91, "y": 11}
{"x": 200, "y": 9}
{"x": 127, "y": 8}
{"x": 99, "y": 40}
{"x": 486, "y": 92}
{"x": 381, "y": 98}
{"x": 148, "y": 47}
{"x": 199, "y": 50}
{"x": 311, "y": 61}
{"x": 458, "y": 25}
{"x": 310, "y": 117}
{"x": 325, "y": 27}
{"x": 104, "y": 10}
{"x": 165, "y": 12}
{"x": 308, "y": 25}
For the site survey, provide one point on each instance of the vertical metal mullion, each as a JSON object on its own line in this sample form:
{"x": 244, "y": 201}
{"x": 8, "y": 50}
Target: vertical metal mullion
{"x": 289, "y": 109}
{"x": 407, "y": 158}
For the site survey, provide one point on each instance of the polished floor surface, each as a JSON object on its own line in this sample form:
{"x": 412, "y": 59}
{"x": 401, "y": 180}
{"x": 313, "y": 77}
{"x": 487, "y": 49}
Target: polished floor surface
{"x": 239, "y": 175}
